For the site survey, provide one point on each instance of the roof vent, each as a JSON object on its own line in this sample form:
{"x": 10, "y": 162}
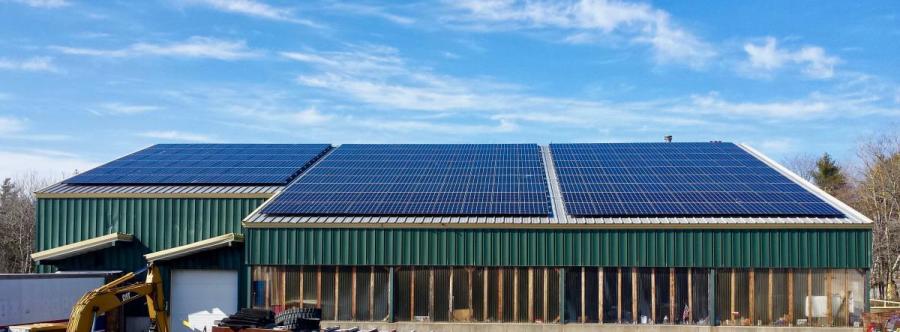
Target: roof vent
{"x": 668, "y": 138}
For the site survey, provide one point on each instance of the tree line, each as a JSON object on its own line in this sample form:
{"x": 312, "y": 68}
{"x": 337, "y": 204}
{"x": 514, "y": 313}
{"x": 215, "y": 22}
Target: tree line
{"x": 871, "y": 185}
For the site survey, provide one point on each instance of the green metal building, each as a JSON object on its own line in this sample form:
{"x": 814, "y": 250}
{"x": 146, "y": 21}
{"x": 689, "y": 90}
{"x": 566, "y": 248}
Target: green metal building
{"x": 771, "y": 271}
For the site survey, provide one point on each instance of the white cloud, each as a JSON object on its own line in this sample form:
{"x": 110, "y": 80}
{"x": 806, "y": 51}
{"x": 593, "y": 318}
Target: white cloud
{"x": 122, "y": 109}
{"x": 172, "y": 135}
{"x": 44, "y": 3}
{"x": 767, "y": 58}
{"x": 592, "y": 21}
{"x": 254, "y": 9}
{"x": 40, "y": 63}
{"x": 851, "y": 104}
{"x": 44, "y": 164}
{"x": 367, "y": 10}
{"x": 309, "y": 116}
{"x": 10, "y": 125}
{"x": 193, "y": 47}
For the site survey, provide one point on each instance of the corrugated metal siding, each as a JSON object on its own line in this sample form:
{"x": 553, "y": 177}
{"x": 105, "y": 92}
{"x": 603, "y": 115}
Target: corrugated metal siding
{"x": 156, "y": 223}
{"x": 526, "y": 247}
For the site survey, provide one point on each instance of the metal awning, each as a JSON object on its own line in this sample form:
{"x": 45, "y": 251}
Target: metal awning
{"x": 81, "y": 247}
{"x": 209, "y": 244}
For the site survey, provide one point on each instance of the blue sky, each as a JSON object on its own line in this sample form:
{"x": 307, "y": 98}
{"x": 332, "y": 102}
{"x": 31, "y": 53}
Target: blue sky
{"x": 85, "y": 82}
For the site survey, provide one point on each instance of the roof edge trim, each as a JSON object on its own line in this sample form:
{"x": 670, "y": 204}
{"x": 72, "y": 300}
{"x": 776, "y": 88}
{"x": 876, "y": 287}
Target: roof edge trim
{"x": 217, "y": 242}
{"x": 154, "y": 195}
{"x": 833, "y": 201}
{"x": 709, "y": 226}
{"x": 81, "y": 247}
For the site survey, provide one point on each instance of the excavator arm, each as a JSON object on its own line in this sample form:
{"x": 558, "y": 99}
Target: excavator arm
{"x": 114, "y": 295}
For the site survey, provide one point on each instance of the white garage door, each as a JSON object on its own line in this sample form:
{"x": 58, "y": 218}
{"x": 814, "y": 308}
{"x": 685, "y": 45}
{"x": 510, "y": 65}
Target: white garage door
{"x": 200, "y": 297}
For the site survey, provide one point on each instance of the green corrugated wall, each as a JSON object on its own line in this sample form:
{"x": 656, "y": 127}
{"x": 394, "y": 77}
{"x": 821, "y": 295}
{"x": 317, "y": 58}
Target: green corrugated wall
{"x": 156, "y": 223}
{"x": 811, "y": 248}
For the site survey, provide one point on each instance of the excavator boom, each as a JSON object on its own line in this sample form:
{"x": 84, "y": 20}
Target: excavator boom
{"x": 114, "y": 295}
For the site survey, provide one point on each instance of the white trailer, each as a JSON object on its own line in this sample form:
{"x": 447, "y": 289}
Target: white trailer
{"x": 44, "y": 297}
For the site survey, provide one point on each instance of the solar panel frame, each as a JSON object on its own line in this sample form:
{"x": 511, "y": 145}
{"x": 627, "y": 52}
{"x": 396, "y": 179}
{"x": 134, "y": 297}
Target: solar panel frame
{"x": 206, "y": 164}
{"x": 677, "y": 180}
{"x": 421, "y": 180}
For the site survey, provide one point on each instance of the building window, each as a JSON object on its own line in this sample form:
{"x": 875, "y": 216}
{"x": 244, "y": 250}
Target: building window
{"x": 343, "y": 293}
{"x": 743, "y": 297}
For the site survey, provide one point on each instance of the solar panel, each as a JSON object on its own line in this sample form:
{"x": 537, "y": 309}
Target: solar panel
{"x": 445, "y": 179}
{"x": 677, "y": 179}
{"x": 214, "y": 164}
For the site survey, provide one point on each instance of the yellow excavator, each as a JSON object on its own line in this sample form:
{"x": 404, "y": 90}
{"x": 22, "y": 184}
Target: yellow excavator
{"x": 116, "y": 294}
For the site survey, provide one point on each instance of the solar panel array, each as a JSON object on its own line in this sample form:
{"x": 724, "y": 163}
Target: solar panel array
{"x": 214, "y": 164}
{"x": 677, "y": 179}
{"x": 428, "y": 180}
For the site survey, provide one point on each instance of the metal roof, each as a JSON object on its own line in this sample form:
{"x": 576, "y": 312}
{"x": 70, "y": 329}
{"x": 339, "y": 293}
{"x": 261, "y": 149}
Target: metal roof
{"x": 561, "y": 218}
{"x": 81, "y": 247}
{"x": 70, "y": 190}
{"x": 220, "y": 241}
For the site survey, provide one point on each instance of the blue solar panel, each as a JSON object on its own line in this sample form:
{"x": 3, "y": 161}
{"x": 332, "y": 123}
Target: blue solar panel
{"x": 219, "y": 164}
{"x": 446, "y": 179}
{"x": 677, "y": 179}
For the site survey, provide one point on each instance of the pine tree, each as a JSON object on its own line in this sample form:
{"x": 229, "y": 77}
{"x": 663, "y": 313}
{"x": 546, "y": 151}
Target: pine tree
{"x": 829, "y": 176}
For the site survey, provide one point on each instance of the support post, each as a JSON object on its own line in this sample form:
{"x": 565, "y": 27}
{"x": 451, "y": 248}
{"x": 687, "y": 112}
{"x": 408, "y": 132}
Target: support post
{"x": 790, "y": 296}
{"x": 634, "y": 297}
{"x": 391, "y": 291}
{"x": 450, "y": 297}
{"x": 301, "y": 287}
{"x": 770, "y": 312}
{"x": 711, "y": 297}
{"x": 319, "y": 287}
{"x": 431, "y": 294}
{"x": 471, "y": 302}
{"x": 619, "y": 294}
{"x": 530, "y": 295}
{"x": 690, "y": 294}
{"x": 562, "y": 295}
{"x": 353, "y": 294}
{"x": 412, "y": 293}
{"x": 583, "y": 284}
{"x": 731, "y": 305}
{"x": 829, "y": 290}
{"x": 672, "y": 295}
{"x": 500, "y": 294}
{"x": 515, "y": 294}
{"x": 752, "y": 293}
{"x": 600, "y": 283}
{"x": 546, "y": 297}
{"x": 653, "y": 295}
{"x": 484, "y": 307}
{"x": 337, "y": 292}
{"x": 372, "y": 293}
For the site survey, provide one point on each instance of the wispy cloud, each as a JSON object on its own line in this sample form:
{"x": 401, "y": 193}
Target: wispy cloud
{"x": 374, "y": 11}
{"x": 193, "y": 47}
{"x": 42, "y": 163}
{"x": 34, "y": 64}
{"x": 255, "y": 9}
{"x": 44, "y": 3}
{"x": 592, "y": 21}
{"x": 180, "y": 136}
{"x": 836, "y": 104}
{"x": 766, "y": 58}
{"x": 122, "y": 109}
{"x": 10, "y": 125}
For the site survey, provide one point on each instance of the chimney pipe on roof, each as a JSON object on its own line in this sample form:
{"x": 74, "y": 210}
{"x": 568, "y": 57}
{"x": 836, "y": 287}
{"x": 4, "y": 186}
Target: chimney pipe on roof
{"x": 668, "y": 138}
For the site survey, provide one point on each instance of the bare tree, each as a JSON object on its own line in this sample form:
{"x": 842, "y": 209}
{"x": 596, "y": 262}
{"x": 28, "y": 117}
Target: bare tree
{"x": 878, "y": 197}
{"x": 17, "y": 221}
{"x": 802, "y": 164}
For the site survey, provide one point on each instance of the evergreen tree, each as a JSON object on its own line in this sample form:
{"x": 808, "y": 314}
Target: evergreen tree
{"x": 829, "y": 176}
